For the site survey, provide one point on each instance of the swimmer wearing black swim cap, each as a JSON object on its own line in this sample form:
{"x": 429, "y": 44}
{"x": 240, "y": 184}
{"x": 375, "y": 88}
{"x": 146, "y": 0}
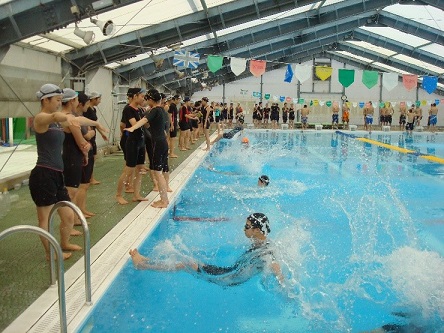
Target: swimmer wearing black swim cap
{"x": 263, "y": 181}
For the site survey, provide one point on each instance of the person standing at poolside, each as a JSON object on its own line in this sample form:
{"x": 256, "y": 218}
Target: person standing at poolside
{"x": 46, "y": 182}
{"x": 335, "y": 116}
{"x": 205, "y": 110}
{"x": 157, "y": 120}
{"x": 255, "y": 260}
{"x": 274, "y": 116}
{"x": 418, "y": 115}
{"x": 266, "y": 115}
{"x": 94, "y": 100}
{"x": 345, "y": 115}
{"x": 291, "y": 116}
{"x": 304, "y": 116}
{"x": 410, "y": 120}
{"x": 433, "y": 114}
{"x": 389, "y": 114}
{"x": 172, "y": 137}
{"x": 230, "y": 115}
{"x": 369, "y": 111}
{"x": 402, "y": 117}
{"x": 135, "y": 147}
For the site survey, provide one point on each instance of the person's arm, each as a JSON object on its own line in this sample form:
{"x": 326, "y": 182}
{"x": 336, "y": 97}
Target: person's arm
{"x": 136, "y": 124}
{"x": 42, "y": 120}
{"x": 81, "y": 142}
{"x": 90, "y": 134}
{"x": 88, "y": 122}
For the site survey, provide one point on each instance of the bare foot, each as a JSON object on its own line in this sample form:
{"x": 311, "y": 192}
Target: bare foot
{"x": 66, "y": 255}
{"x": 173, "y": 156}
{"x": 169, "y": 189}
{"x": 75, "y": 233}
{"x": 137, "y": 258}
{"x": 71, "y": 247}
{"x": 182, "y": 149}
{"x": 94, "y": 182}
{"x": 139, "y": 199}
{"x": 160, "y": 204}
{"x": 88, "y": 213}
{"x": 188, "y": 148}
{"x": 129, "y": 190}
{"x": 206, "y": 149}
{"x": 121, "y": 200}
{"x": 155, "y": 189}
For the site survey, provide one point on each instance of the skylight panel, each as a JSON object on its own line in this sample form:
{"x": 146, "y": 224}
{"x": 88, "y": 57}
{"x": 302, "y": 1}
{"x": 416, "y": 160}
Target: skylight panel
{"x": 427, "y": 15}
{"x": 113, "y": 65}
{"x": 397, "y": 35}
{"x": 390, "y": 68}
{"x": 353, "y": 56}
{"x": 419, "y": 63}
{"x": 368, "y": 46}
{"x": 434, "y": 49}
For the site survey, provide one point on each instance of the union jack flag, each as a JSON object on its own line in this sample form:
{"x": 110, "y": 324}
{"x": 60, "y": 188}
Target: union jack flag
{"x": 186, "y": 59}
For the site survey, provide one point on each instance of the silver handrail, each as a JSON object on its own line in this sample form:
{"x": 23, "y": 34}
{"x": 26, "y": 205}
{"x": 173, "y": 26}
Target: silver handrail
{"x": 86, "y": 245}
{"x": 61, "y": 273}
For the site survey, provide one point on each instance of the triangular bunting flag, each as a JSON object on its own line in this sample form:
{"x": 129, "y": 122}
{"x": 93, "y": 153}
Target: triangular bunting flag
{"x": 429, "y": 83}
{"x": 214, "y": 63}
{"x": 389, "y": 81}
{"x": 302, "y": 72}
{"x": 282, "y": 98}
{"x": 288, "y": 74}
{"x": 257, "y": 67}
{"x": 238, "y": 65}
{"x": 370, "y": 78}
{"x": 346, "y": 77}
{"x": 186, "y": 59}
{"x": 409, "y": 81}
{"x": 323, "y": 72}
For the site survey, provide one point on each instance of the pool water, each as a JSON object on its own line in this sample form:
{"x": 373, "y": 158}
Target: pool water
{"x": 356, "y": 227}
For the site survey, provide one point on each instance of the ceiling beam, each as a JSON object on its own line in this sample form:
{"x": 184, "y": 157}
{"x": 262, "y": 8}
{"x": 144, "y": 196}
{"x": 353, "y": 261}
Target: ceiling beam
{"x": 20, "y": 19}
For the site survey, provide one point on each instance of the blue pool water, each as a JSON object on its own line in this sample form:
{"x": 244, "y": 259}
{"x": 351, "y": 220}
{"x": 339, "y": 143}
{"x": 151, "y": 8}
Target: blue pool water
{"x": 357, "y": 230}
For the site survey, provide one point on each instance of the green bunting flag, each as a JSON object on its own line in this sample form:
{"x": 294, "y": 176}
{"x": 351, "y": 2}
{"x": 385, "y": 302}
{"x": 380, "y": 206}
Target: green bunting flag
{"x": 370, "y": 78}
{"x": 214, "y": 63}
{"x": 346, "y": 77}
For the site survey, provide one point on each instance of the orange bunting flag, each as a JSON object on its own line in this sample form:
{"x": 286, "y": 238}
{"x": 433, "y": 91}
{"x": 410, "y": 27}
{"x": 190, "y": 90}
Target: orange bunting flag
{"x": 410, "y": 81}
{"x": 257, "y": 67}
{"x": 323, "y": 72}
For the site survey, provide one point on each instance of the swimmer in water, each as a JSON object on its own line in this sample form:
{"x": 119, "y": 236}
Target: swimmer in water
{"x": 255, "y": 260}
{"x": 263, "y": 181}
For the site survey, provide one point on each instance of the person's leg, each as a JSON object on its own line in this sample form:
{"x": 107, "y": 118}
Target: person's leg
{"x": 126, "y": 174}
{"x": 163, "y": 188}
{"x": 67, "y": 223}
{"x": 43, "y": 219}
{"x": 172, "y": 145}
{"x": 187, "y": 139}
{"x": 166, "y": 175}
{"x": 137, "y": 183}
{"x": 207, "y": 138}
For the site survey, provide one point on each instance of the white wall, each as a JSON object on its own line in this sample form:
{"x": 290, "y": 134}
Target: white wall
{"x": 273, "y": 84}
{"x": 23, "y": 71}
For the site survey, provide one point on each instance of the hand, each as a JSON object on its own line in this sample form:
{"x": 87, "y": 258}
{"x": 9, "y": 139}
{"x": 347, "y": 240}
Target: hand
{"x": 101, "y": 129}
{"x": 85, "y": 160}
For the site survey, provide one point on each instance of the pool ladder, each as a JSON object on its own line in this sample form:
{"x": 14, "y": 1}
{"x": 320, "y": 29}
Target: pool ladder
{"x": 54, "y": 245}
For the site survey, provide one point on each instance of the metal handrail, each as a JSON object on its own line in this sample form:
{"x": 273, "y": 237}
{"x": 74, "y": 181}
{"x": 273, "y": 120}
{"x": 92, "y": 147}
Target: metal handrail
{"x": 61, "y": 273}
{"x": 86, "y": 245}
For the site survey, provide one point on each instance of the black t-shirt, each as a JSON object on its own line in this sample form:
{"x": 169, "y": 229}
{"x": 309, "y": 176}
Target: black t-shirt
{"x": 128, "y": 113}
{"x": 157, "y": 118}
{"x": 173, "y": 111}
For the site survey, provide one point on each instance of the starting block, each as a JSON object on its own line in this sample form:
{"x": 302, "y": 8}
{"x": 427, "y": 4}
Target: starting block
{"x": 318, "y": 127}
{"x": 250, "y": 126}
{"x": 353, "y": 127}
{"x": 284, "y": 126}
{"x": 386, "y": 128}
{"x": 419, "y": 128}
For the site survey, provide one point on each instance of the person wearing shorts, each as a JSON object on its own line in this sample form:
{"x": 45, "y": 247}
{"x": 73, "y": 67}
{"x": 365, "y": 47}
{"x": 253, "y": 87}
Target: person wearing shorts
{"x": 157, "y": 120}
{"x": 134, "y": 148}
{"x": 46, "y": 182}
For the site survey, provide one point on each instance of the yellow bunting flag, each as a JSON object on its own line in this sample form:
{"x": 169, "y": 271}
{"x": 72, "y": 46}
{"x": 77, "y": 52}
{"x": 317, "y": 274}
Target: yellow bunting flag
{"x": 323, "y": 72}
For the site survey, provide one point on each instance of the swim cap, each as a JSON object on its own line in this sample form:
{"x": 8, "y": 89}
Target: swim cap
{"x": 245, "y": 140}
{"x": 260, "y": 221}
{"x": 69, "y": 94}
{"x": 264, "y": 179}
{"x": 48, "y": 90}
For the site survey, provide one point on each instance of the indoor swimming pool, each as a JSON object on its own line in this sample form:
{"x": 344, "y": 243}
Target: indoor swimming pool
{"x": 357, "y": 227}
